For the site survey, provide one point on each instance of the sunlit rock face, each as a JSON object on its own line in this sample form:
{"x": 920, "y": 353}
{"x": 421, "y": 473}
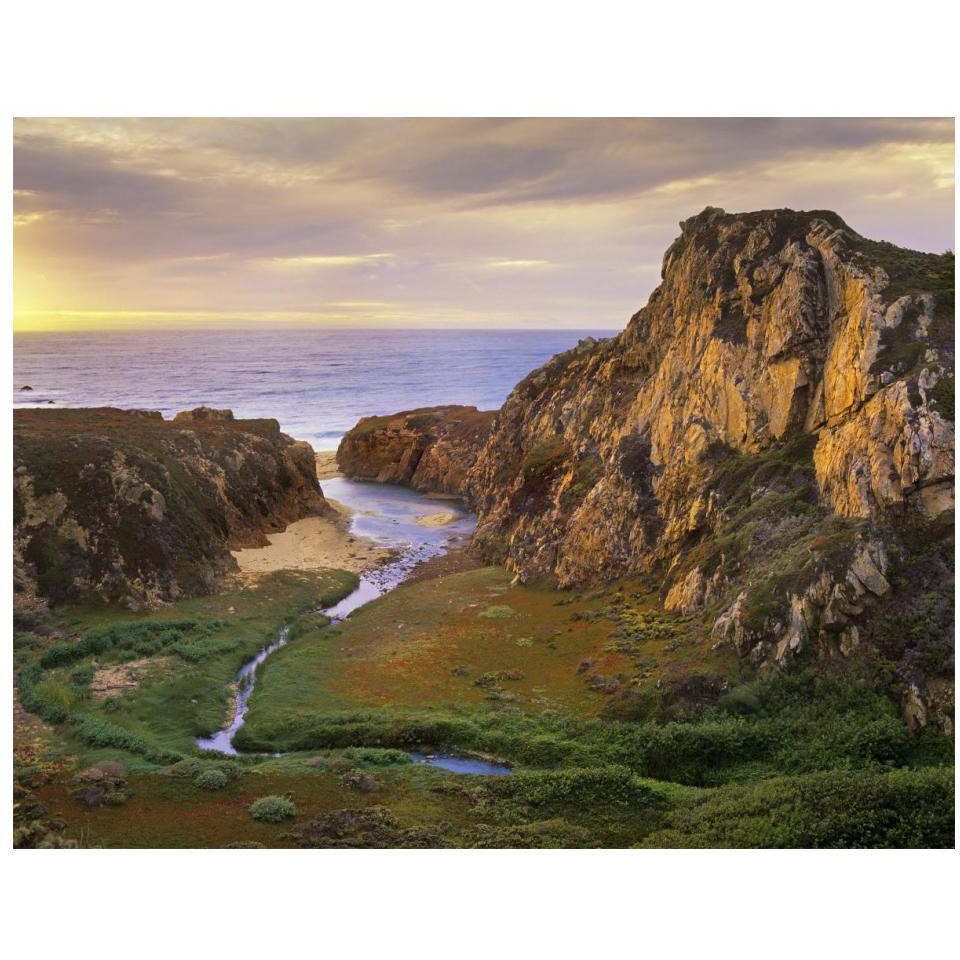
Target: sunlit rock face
{"x": 759, "y": 441}
{"x": 431, "y": 449}
{"x": 126, "y": 507}
{"x": 766, "y": 327}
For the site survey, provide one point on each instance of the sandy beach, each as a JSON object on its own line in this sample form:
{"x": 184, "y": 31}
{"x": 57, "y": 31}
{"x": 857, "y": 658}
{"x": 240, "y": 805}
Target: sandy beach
{"x": 314, "y": 543}
{"x": 327, "y": 465}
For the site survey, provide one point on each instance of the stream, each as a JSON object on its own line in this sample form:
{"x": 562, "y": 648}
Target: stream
{"x": 389, "y": 515}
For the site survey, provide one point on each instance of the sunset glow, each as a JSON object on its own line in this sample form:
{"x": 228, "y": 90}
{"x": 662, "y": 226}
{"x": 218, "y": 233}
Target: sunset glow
{"x": 404, "y": 223}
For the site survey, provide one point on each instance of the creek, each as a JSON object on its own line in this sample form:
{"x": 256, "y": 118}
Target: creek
{"x": 393, "y": 517}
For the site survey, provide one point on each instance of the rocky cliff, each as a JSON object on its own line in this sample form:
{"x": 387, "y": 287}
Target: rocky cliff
{"x": 768, "y": 446}
{"x": 770, "y": 439}
{"x": 428, "y": 449}
{"x": 125, "y": 506}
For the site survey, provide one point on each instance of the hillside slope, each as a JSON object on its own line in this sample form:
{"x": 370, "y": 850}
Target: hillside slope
{"x": 770, "y": 440}
{"x": 127, "y": 507}
{"x": 769, "y": 444}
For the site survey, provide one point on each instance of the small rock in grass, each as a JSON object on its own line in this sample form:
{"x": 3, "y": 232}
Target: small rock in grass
{"x": 358, "y": 780}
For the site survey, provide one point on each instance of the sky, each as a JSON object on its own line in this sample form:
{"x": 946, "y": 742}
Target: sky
{"x": 550, "y": 223}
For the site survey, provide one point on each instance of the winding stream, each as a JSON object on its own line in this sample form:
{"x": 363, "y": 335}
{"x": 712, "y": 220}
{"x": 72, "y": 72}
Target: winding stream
{"x": 391, "y": 516}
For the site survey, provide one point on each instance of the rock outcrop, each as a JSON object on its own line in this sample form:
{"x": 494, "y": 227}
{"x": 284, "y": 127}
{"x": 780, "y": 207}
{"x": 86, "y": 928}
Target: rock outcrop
{"x": 767, "y": 327}
{"x": 430, "y": 449}
{"x": 125, "y": 506}
{"x": 760, "y": 440}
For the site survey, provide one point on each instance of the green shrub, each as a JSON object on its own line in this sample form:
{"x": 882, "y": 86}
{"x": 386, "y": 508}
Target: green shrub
{"x": 144, "y": 638}
{"x": 581, "y": 787}
{"x": 545, "y": 457}
{"x": 81, "y": 678}
{"x": 194, "y": 767}
{"x": 903, "y": 808}
{"x": 211, "y": 779}
{"x": 273, "y": 809}
{"x": 377, "y": 757}
{"x": 60, "y": 697}
{"x": 35, "y": 698}
{"x": 99, "y": 732}
{"x": 741, "y": 701}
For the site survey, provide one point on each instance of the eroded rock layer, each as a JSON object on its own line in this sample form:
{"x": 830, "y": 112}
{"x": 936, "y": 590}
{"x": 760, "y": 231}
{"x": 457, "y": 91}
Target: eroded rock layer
{"x": 429, "y": 449}
{"x": 128, "y": 507}
{"x": 767, "y": 439}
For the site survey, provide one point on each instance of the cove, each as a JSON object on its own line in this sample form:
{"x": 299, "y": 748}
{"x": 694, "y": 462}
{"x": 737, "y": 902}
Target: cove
{"x": 389, "y": 515}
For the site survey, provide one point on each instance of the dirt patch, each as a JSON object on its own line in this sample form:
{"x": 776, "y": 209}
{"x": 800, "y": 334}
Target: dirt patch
{"x": 121, "y": 678}
{"x": 457, "y": 559}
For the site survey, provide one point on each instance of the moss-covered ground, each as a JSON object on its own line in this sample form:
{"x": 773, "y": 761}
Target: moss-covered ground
{"x": 623, "y": 725}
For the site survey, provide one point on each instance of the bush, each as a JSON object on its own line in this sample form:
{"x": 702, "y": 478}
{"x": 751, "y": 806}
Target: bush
{"x": 194, "y": 767}
{"x": 579, "y": 787}
{"x": 358, "y": 780}
{"x": 903, "y": 808}
{"x": 146, "y": 638}
{"x": 36, "y": 698}
{"x": 545, "y": 457}
{"x": 212, "y": 779}
{"x": 61, "y": 698}
{"x": 273, "y": 809}
{"x": 98, "y": 732}
{"x": 376, "y": 757}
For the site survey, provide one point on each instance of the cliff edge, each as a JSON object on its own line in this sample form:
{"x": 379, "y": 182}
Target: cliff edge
{"x": 768, "y": 445}
{"x": 127, "y": 507}
{"x": 429, "y": 449}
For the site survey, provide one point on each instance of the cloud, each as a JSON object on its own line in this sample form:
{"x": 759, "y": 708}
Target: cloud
{"x": 430, "y": 218}
{"x": 498, "y": 263}
{"x": 332, "y": 260}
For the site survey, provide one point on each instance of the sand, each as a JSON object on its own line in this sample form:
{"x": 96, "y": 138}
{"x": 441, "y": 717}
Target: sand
{"x": 314, "y": 543}
{"x": 327, "y": 465}
{"x": 440, "y": 519}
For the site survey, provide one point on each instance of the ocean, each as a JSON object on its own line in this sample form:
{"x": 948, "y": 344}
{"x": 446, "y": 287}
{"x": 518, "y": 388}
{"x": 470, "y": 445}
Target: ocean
{"x": 316, "y": 382}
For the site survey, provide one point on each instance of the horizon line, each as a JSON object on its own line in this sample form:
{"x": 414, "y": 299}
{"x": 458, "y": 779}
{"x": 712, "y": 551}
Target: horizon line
{"x": 226, "y": 326}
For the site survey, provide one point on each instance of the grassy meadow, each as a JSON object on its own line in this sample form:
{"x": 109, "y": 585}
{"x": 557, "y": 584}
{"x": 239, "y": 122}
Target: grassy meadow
{"x": 624, "y": 727}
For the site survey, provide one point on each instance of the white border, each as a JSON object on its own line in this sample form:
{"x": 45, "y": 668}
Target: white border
{"x": 436, "y": 59}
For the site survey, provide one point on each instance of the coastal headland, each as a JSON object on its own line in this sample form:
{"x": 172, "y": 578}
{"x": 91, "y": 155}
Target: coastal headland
{"x": 708, "y": 601}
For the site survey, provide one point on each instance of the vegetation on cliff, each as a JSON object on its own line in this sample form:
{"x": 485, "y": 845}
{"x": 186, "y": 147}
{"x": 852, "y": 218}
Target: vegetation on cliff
{"x": 124, "y": 506}
{"x": 725, "y": 616}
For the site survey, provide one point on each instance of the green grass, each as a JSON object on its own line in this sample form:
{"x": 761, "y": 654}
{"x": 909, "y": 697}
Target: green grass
{"x": 170, "y": 707}
{"x": 811, "y": 757}
{"x": 545, "y": 457}
{"x": 901, "y": 808}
